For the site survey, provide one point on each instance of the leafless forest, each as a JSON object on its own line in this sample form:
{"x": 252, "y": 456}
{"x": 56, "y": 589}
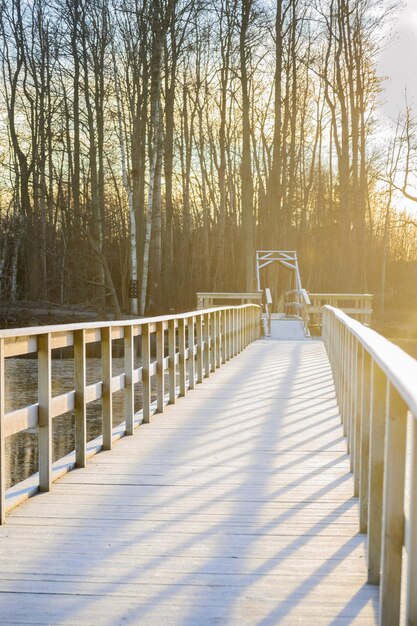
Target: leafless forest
{"x": 164, "y": 141}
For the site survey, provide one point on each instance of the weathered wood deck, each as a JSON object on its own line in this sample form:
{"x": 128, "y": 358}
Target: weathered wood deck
{"x": 233, "y": 507}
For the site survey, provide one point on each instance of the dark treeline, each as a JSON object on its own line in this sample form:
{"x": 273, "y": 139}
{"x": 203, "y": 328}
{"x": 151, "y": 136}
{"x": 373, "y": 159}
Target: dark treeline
{"x": 164, "y": 141}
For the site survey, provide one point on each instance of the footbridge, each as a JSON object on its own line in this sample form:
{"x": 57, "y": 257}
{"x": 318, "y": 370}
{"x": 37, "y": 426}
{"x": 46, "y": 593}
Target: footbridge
{"x": 241, "y": 480}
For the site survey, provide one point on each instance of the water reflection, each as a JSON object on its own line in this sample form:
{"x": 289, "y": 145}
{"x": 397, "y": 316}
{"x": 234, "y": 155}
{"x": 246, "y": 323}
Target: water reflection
{"x": 21, "y": 390}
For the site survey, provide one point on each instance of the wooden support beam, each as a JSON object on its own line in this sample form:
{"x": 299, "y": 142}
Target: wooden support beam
{"x": 107, "y": 400}
{"x": 182, "y": 364}
{"x": 2, "y": 438}
{"x": 129, "y": 385}
{"x": 146, "y": 374}
{"x": 191, "y": 352}
{"x": 80, "y": 399}
{"x": 207, "y": 345}
{"x": 393, "y": 509}
{"x": 200, "y": 350}
{"x": 411, "y": 537}
{"x": 380, "y": 397}
{"x": 172, "y": 370}
{"x": 45, "y": 418}
{"x": 160, "y": 369}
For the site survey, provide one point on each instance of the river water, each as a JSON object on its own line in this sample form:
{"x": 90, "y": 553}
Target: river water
{"x": 21, "y": 377}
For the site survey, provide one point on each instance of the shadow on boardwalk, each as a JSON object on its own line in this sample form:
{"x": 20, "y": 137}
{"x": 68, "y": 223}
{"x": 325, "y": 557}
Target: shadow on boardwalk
{"x": 233, "y": 507}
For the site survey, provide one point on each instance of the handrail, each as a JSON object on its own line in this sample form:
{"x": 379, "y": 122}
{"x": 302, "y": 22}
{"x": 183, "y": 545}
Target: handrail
{"x": 376, "y": 387}
{"x": 198, "y": 343}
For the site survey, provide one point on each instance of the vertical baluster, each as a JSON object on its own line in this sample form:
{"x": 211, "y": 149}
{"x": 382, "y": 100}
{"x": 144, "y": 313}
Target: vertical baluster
{"x": 366, "y": 403}
{"x": 80, "y": 403}
{"x": 160, "y": 368}
{"x": 218, "y": 340}
{"x": 241, "y": 330}
{"x": 191, "y": 348}
{"x": 238, "y": 331}
{"x": 129, "y": 386}
{"x": 231, "y": 333}
{"x": 393, "y": 509}
{"x": 358, "y": 417}
{"x": 200, "y": 350}
{"x": 172, "y": 370}
{"x": 226, "y": 322}
{"x": 106, "y": 375}
{"x": 342, "y": 373}
{"x": 207, "y": 345}
{"x": 213, "y": 340}
{"x": 376, "y": 473}
{"x": 411, "y": 539}
{"x": 45, "y": 419}
{"x": 2, "y": 438}
{"x": 181, "y": 346}
{"x": 146, "y": 378}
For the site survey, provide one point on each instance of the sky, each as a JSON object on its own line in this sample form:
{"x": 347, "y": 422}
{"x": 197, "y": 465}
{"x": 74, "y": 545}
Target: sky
{"x": 398, "y": 61}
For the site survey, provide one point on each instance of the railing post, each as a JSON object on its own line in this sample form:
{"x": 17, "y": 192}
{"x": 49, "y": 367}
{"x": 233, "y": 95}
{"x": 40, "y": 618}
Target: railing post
{"x": 181, "y": 347}
{"x": 146, "y": 378}
{"x": 199, "y": 325}
{"x": 207, "y": 345}
{"x": 129, "y": 387}
{"x": 222, "y": 336}
{"x": 160, "y": 368}
{"x": 231, "y": 333}
{"x": 106, "y": 372}
{"x": 239, "y": 330}
{"x": 191, "y": 356}
{"x": 213, "y": 340}
{"x": 45, "y": 420}
{"x": 226, "y": 339}
{"x": 218, "y": 340}
{"x": 393, "y": 509}
{"x": 172, "y": 370}
{"x": 411, "y": 538}
{"x": 80, "y": 404}
{"x": 366, "y": 403}
{"x": 2, "y": 438}
{"x": 376, "y": 473}
{"x": 353, "y": 391}
{"x": 358, "y": 417}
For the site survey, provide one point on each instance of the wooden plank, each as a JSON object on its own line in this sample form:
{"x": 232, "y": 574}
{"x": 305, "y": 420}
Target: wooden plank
{"x": 21, "y": 419}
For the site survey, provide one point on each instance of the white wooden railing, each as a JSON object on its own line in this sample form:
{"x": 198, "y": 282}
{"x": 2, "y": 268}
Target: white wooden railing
{"x": 376, "y": 386}
{"x": 357, "y": 305}
{"x": 198, "y": 343}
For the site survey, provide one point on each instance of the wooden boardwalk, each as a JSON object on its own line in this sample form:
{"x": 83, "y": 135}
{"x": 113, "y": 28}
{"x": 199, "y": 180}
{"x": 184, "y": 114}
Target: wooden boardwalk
{"x": 233, "y": 507}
